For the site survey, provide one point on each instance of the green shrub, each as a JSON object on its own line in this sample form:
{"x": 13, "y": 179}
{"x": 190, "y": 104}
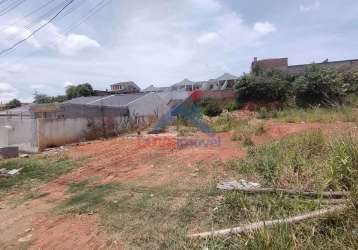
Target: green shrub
{"x": 269, "y": 86}
{"x": 350, "y": 80}
{"x": 230, "y": 106}
{"x": 319, "y": 86}
{"x": 211, "y": 107}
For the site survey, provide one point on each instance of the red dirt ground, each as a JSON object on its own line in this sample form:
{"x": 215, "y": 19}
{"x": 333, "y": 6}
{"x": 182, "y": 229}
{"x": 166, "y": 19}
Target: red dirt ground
{"x": 123, "y": 159}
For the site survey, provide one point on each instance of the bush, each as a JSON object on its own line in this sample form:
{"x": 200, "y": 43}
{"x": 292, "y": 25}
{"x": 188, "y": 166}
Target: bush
{"x": 13, "y": 104}
{"x": 350, "y": 80}
{"x": 319, "y": 86}
{"x": 230, "y": 106}
{"x": 271, "y": 86}
{"x": 79, "y": 90}
{"x": 211, "y": 107}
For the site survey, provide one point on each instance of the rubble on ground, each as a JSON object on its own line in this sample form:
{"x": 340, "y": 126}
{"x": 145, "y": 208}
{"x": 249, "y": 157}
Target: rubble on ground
{"x": 234, "y": 185}
{"x": 9, "y": 172}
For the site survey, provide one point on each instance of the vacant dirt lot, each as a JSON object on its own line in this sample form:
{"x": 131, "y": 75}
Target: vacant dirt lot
{"x": 132, "y": 159}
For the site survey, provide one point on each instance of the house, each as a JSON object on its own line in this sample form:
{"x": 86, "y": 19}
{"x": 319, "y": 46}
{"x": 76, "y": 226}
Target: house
{"x": 125, "y": 88}
{"x": 282, "y": 64}
{"x": 226, "y": 81}
{"x": 186, "y": 85}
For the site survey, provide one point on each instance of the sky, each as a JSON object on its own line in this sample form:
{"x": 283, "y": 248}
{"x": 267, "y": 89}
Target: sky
{"x": 161, "y": 42}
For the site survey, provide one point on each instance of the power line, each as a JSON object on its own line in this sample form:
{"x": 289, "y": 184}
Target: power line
{"x": 92, "y": 12}
{"x": 38, "y": 9}
{"x": 11, "y": 7}
{"x": 28, "y": 15}
{"x": 46, "y": 15}
{"x": 35, "y": 31}
{"x": 3, "y": 1}
{"x": 71, "y": 10}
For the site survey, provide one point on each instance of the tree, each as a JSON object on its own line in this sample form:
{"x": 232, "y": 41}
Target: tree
{"x": 42, "y": 98}
{"x": 14, "y": 103}
{"x": 79, "y": 90}
{"x": 320, "y": 86}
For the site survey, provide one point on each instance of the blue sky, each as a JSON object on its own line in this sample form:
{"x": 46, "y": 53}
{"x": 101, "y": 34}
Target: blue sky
{"x": 161, "y": 42}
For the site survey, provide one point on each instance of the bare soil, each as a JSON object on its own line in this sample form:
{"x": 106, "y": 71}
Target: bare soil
{"x": 124, "y": 159}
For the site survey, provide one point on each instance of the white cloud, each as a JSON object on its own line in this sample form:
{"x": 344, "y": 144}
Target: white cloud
{"x": 50, "y": 37}
{"x": 208, "y": 38}
{"x": 7, "y": 92}
{"x": 74, "y": 43}
{"x": 207, "y": 5}
{"x": 12, "y": 34}
{"x": 158, "y": 42}
{"x": 310, "y": 7}
{"x": 264, "y": 28}
{"x": 67, "y": 84}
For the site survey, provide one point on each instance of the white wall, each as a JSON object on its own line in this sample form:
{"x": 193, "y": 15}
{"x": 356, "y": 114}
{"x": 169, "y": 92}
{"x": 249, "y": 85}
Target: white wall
{"x": 19, "y": 131}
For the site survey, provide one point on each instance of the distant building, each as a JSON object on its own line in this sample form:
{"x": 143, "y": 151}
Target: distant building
{"x": 125, "y": 88}
{"x": 270, "y": 64}
{"x": 153, "y": 89}
{"x": 282, "y": 64}
{"x": 186, "y": 85}
{"x": 226, "y": 81}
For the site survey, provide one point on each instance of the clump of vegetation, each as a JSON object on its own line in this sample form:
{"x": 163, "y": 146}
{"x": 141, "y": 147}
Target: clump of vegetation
{"x": 230, "y": 105}
{"x": 84, "y": 89}
{"x": 319, "y": 85}
{"x": 35, "y": 170}
{"x": 224, "y": 123}
{"x": 211, "y": 107}
{"x": 264, "y": 86}
{"x": 297, "y": 156}
{"x": 71, "y": 92}
{"x": 343, "y": 163}
{"x": 305, "y": 160}
{"x": 314, "y": 114}
{"x": 14, "y": 103}
{"x": 45, "y": 99}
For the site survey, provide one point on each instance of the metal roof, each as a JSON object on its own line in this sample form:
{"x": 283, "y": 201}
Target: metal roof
{"x": 226, "y": 77}
{"x": 23, "y": 110}
{"x": 112, "y": 100}
{"x": 184, "y": 82}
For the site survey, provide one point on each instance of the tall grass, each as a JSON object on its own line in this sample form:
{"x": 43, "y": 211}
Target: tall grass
{"x": 315, "y": 114}
{"x": 290, "y": 161}
{"x": 343, "y": 163}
